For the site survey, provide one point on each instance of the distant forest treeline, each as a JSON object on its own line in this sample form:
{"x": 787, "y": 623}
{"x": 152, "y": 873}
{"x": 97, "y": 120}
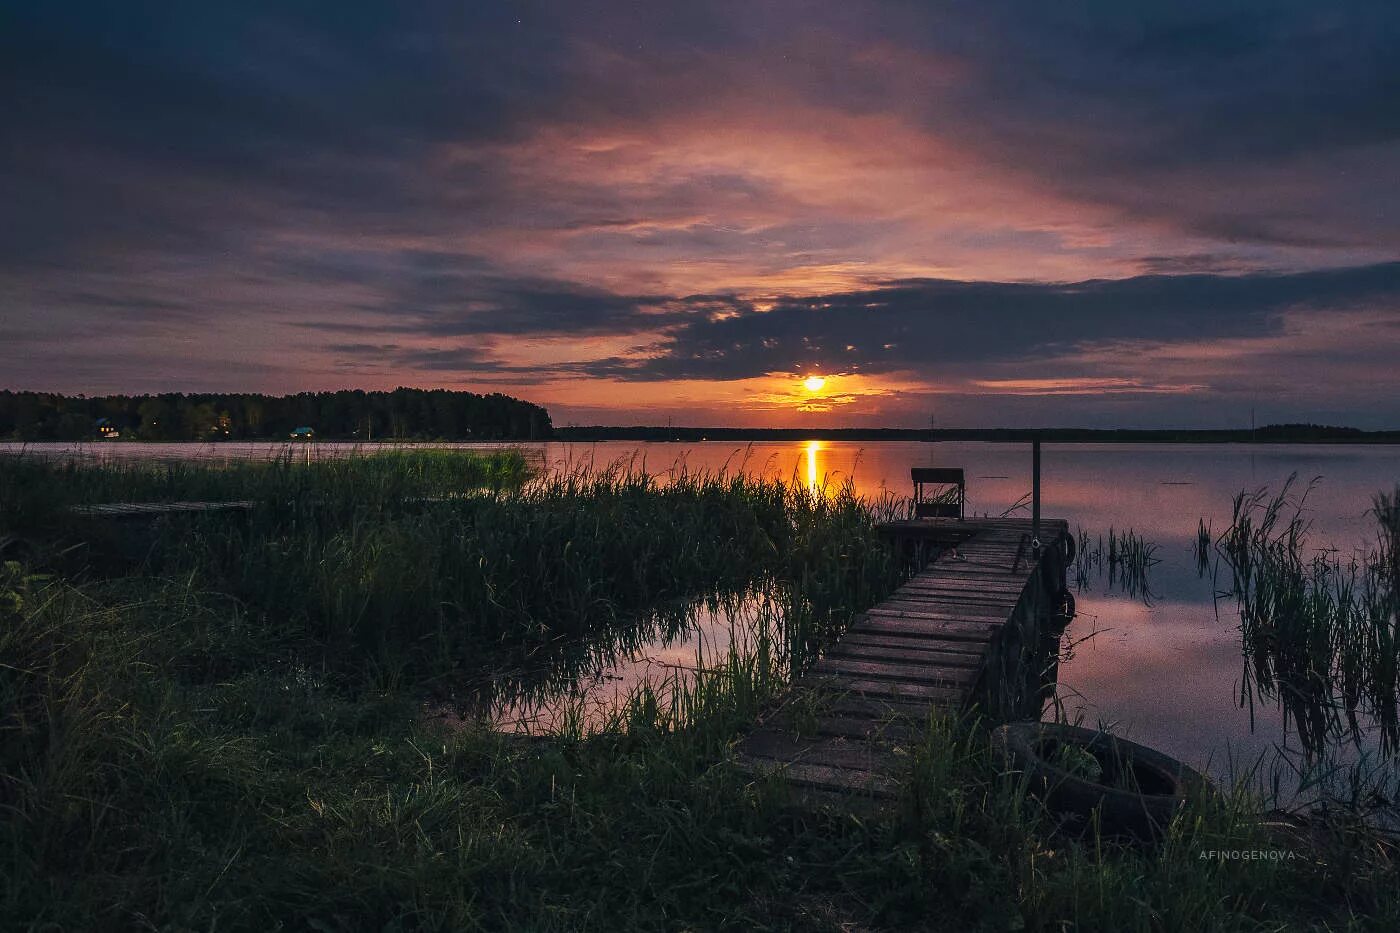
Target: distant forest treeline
{"x": 345, "y": 415}
{"x": 1272, "y": 433}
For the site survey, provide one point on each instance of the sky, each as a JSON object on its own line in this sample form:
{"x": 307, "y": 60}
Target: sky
{"x": 994, "y": 214}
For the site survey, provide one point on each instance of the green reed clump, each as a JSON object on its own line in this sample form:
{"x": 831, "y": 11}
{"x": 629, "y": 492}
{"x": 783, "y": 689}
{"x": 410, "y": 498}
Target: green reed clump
{"x": 35, "y": 492}
{"x": 1386, "y": 507}
{"x": 1125, "y": 556}
{"x": 445, "y": 558}
{"x": 1202, "y": 547}
{"x": 1319, "y": 634}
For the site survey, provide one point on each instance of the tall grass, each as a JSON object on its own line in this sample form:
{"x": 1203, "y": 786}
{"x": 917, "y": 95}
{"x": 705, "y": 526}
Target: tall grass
{"x": 564, "y": 556}
{"x": 177, "y": 768}
{"x": 1319, "y": 632}
{"x": 35, "y": 492}
{"x": 455, "y": 562}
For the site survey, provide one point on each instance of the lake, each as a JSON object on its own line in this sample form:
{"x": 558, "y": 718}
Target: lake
{"x": 1164, "y": 667}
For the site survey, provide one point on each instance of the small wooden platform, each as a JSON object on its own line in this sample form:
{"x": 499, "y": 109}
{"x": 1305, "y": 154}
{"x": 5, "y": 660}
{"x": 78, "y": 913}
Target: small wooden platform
{"x": 154, "y": 509}
{"x": 157, "y": 509}
{"x": 930, "y": 645}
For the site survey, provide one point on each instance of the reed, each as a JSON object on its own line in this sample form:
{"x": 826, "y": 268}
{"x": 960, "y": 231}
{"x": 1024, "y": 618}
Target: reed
{"x": 1124, "y": 557}
{"x": 1202, "y": 548}
{"x": 1319, "y": 632}
{"x": 36, "y": 492}
{"x": 441, "y": 558}
{"x": 1386, "y": 508}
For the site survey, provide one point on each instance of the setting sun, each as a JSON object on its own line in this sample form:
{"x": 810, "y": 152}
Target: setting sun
{"x": 814, "y": 383}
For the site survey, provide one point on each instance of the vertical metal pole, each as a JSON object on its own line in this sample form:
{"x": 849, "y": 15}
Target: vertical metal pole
{"x": 1035, "y": 491}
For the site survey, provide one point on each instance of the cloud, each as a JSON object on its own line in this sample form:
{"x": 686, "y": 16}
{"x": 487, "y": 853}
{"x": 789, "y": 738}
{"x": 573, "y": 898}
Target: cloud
{"x": 925, "y": 325}
{"x": 942, "y": 196}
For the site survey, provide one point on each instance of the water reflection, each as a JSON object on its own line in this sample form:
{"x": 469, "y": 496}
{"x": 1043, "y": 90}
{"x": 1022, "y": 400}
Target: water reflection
{"x": 584, "y": 685}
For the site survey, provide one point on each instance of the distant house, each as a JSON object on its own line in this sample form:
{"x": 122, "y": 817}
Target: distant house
{"x": 303, "y": 434}
{"x": 107, "y": 430}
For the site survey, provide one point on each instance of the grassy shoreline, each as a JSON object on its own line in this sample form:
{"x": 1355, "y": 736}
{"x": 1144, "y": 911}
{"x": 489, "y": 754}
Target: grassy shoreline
{"x": 191, "y": 745}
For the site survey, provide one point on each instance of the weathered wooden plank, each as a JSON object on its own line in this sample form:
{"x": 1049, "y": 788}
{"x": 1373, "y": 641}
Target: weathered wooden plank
{"x": 823, "y": 777}
{"x": 986, "y": 543}
{"x": 961, "y": 570}
{"x": 835, "y": 751}
{"x": 866, "y": 728}
{"x": 931, "y": 628}
{"x": 935, "y": 632}
{"x": 933, "y": 608}
{"x": 996, "y": 603}
{"x": 904, "y": 690}
{"x": 984, "y": 582}
{"x": 973, "y": 564}
{"x": 974, "y": 599}
{"x": 994, "y": 608}
{"x": 1009, "y": 561}
{"x": 914, "y": 609}
{"x": 952, "y": 608}
{"x": 959, "y": 592}
{"x": 904, "y": 673}
{"x": 1000, "y": 580}
{"x": 894, "y": 641}
{"x": 905, "y": 655}
{"x": 886, "y": 710}
{"x": 976, "y": 610}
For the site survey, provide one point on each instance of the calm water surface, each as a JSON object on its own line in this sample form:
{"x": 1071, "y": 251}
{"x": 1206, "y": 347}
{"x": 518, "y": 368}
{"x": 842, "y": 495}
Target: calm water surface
{"x": 1165, "y": 670}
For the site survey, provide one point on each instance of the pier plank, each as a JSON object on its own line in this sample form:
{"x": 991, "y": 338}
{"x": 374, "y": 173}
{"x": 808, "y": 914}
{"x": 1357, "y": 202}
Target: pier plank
{"x": 905, "y": 655}
{"x": 969, "y": 653}
{"x": 881, "y": 669}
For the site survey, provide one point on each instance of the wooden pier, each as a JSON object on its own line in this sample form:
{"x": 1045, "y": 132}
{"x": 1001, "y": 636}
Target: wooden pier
{"x": 961, "y": 632}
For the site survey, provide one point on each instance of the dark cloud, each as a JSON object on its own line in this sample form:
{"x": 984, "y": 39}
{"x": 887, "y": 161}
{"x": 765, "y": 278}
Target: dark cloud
{"x": 1176, "y": 111}
{"x": 175, "y": 123}
{"x": 921, "y": 325}
{"x": 439, "y": 295}
{"x": 158, "y": 123}
{"x": 1189, "y": 263}
{"x": 457, "y": 359}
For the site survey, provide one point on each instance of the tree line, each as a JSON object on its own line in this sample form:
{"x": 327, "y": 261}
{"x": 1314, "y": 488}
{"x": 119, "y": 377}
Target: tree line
{"x": 422, "y": 414}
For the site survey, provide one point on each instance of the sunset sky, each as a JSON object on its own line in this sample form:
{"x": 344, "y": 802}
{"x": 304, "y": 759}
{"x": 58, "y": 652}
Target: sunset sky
{"x": 1022, "y": 214}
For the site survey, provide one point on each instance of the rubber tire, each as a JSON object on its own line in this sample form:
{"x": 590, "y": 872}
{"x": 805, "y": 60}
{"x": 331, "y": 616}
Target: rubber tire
{"x": 1061, "y": 620}
{"x": 1121, "y": 812}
